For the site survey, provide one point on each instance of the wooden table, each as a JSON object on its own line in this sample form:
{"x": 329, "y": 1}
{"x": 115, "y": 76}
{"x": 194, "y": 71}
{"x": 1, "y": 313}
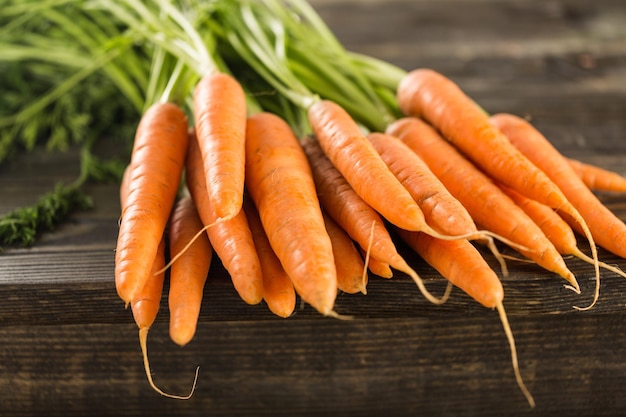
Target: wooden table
{"x": 69, "y": 348}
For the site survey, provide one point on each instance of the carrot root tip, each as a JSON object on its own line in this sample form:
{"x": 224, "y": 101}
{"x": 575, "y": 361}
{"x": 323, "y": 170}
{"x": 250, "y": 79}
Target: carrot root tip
{"x": 143, "y": 341}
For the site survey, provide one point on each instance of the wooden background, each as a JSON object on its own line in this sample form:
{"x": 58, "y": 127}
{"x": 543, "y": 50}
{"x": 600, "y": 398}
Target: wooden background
{"x": 68, "y": 347}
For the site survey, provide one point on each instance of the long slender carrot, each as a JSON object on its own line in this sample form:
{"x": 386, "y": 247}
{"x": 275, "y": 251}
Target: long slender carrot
{"x": 461, "y": 263}
{"x": 351, "y": 272}
{"x": 598, "y": 178}
{"x": 189, "y": 273}
{"x": 356, "y": 216}
{"x": 278, "y": 290}
{"x": 281, "y": 185}
{"x": 155, "y": 171}
{"x": 231, "y": 239}
{"x": 486, "y": 203}
{"x": 426, "y": 93}
{"x": 555, "y": 228}
{"x": 608, "y": 230}
{"x": 220, "y": 120}
{"x": 146, "y": 304}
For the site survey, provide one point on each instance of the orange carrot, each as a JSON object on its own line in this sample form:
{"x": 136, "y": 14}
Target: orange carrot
{"x": 486, "y": 203}
{"x": 189, "y": 273}
{"x": 231, "y": 239}
{"x": 362, "y": 223}
{"x": 220, "y": 120}
{"x": 607, "y": 229}
{"x": 281, "y": 185}
{"x": 146, "y": 304}
{"x": 462, "y": 264}
{"x": 354, "y": 156}
{"x": 278, "y": 290}
{"x": 351, "y": 272}
{"x": 597, "y": 178}
{"x": 426, "y": 93}
{"x": 155, "y": 171}
{"x": 555, "y": 228}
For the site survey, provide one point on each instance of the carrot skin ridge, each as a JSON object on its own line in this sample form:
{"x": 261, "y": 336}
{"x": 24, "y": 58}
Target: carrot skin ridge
{"x": 231, "y": 239}
{"x": 189, "y": 274}
{"x": 280, "y": 182}
{"x": 155, "y": 172}
{"x": 220, "y": 118}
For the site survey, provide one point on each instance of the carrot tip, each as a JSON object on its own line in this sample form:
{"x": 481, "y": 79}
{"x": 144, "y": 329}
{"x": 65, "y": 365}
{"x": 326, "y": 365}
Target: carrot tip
{"x": 336, "y": 315}
{"x": 576, "y": 288}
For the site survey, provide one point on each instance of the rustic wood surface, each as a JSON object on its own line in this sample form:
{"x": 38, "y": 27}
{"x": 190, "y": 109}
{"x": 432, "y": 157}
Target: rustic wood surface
{"x": 69, "y": 348}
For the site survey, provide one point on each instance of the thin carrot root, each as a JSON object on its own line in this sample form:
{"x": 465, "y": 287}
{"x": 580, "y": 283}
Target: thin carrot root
{"x": 422, "y": 287}
{"x": 514, "y": 361}
{"x": 594, "y": 256}
{"x": 193, "y": 239}
{"x": 143, "y": 341}
{"x": 367, "y": 257}
{"x": 499, "y": 257}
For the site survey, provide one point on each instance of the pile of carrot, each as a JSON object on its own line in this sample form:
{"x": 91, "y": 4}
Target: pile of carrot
{"x": 310, "y": 213}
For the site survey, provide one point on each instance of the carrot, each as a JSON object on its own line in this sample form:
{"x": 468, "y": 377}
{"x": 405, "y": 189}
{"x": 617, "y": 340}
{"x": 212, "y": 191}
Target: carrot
{"x": 281, "y": 185}
{"x": 426, "y": 93}
{"x": 231, "y": 239}
{"x": 351, "y": 271}
{"x": 189, "y": 273}
{"x": 156, "y": 167}
{"x": 354, "y": 156}
{"x": 597, "y": 178}
{"x": 146, "y": 304}
{"x": 462, "y": 264}
{"x": 486, "y": 203}
{"x": 555, "y": 228}
{"x": 356, "y": 216}
{"x": 278, "y": 290}
{"x": 607, "y": 229}
{"x": 220, "y": 120}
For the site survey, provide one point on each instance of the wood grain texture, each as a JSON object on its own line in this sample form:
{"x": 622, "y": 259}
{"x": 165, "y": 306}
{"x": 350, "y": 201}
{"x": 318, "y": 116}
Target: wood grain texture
{"x": 69, "y": 348}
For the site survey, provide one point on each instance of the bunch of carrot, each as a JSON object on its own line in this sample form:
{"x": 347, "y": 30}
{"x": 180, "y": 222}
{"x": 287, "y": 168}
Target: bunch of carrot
{"x": 302, "y": 195}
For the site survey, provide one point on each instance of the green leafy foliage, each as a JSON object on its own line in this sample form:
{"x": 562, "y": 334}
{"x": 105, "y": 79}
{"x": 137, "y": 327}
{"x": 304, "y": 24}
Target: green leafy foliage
{"x": 22, "y": 226}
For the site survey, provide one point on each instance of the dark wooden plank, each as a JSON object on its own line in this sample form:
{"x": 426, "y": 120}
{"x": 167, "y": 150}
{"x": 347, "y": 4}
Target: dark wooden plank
{"x": 68, "y": 347}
